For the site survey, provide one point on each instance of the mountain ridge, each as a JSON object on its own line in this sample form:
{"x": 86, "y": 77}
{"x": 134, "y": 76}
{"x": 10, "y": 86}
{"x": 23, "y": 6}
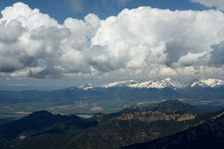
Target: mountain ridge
{"x": 206, "y": 135}
{"x": 163, "y": 83}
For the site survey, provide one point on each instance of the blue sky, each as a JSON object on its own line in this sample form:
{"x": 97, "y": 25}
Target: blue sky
{"x": 61, "y": 9}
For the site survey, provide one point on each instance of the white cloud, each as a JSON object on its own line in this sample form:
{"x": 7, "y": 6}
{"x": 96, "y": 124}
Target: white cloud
{"x": 144, "y": 37}
{"x": 139, "y": 42}
{"x": 219, "y": 4}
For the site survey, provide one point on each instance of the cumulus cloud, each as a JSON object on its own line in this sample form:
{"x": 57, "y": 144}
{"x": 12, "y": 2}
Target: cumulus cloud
{"x": 219, "y": 4}
{"x": 217, "y": 55}
{"x": 147, "y": 37}
{"x": 145, "y": 40}
{"x": 36, "y": 45}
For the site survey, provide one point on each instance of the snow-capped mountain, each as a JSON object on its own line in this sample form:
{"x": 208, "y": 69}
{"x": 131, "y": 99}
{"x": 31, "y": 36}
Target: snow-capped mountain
{"x": 153, "y": 84}
{"x": 84, "y": 87}
{"x": 167, "y": 83}
{"x": 127, "y": 83}
{"x": 135, "y": 84}
{"x": 87, "y": 86}
{"x": 208, "y": 83}
{"x": 159, "y": 84}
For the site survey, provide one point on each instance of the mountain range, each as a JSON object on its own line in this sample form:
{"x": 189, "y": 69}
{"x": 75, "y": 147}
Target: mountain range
{"x": 164, "y": 83}
{"x": 171, "y": 120}
{"x": 130, "y": 90}
{"x": 46, "y": 130}
{"x": 112, "y": 97}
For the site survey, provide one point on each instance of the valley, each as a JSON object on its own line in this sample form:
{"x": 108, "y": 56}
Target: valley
{"x": 113, "y": 97}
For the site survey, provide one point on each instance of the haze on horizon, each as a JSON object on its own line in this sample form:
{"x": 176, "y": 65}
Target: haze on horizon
{"x": 135, "y": 41}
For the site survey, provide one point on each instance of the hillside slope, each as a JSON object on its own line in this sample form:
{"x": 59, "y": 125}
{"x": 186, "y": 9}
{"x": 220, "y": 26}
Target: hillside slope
{"x": 205, "y": 136}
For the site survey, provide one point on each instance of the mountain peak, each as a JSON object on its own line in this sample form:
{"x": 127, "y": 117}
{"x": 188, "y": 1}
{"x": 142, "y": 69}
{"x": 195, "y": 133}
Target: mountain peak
{"x": 126, "y": 83}
{"x": 175, "y": 106}
{"x": 159, "y": 84}
{"x": 87, "y": 86}
{"x": 42, "y": 113}
{"x": 208, "y": 83}
{"x": 165, "y": 83}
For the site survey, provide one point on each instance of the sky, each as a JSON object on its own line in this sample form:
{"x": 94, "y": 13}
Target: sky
{"x": 61, "y": 9}
{"x": 56, "y": 44}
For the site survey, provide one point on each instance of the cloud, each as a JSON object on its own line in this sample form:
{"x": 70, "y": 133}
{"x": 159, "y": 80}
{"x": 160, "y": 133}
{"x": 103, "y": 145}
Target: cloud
{"x": 35, "y": 45}
{"x": 146, "y": 37}
{"x": 217, "y": 55}
{"x": 219, "y": 4}
{"x": 142, "y": 42}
